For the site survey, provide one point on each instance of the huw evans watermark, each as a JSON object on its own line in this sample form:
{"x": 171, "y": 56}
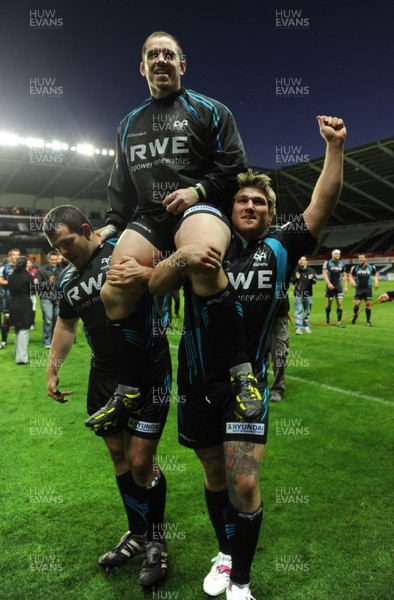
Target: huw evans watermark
{"x": 291, "y": 563}
{"x": 291, "y": 19}
{"x": 45, "y": 87}
{"x": 45, "y": 19}
{"x": 291, "y": 87}
{"x": 290, "y": 495}
{"x": 291, "y": 427}
{"x": 44, "y": 427}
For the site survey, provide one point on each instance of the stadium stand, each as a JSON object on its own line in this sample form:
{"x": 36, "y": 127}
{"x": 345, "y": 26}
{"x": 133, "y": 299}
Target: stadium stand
{"x": 33, "y": 180}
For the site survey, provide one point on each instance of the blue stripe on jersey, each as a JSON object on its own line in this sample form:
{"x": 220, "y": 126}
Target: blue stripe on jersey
{"x": 358, "y": 267}
{"x": 190, "y": 108}
{"x": 112, "y": 241}
{"x": 130, "y": 117}
{"x": 281, "y": 269}
{"x": 66, "y": 275}
{"x": 205, "y": 316}
{"x": 370, "y": 275}
{"x": 133, "y": 337}
{"x": 238, "y": 308}
{"x": 340, "y": 262}
{"x": 214, "y": 111}
{"x": 198, "y": 96}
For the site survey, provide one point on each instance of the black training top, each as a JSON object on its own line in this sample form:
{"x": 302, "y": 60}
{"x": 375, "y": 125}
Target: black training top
{"x": 170, "y": 143}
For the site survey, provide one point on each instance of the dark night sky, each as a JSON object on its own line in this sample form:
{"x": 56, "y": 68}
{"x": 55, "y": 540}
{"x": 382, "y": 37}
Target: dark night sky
{"x": 341, "y": 56}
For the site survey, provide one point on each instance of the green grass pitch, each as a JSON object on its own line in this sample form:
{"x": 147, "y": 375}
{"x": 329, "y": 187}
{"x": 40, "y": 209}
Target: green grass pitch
{"x": 326, "y": 479}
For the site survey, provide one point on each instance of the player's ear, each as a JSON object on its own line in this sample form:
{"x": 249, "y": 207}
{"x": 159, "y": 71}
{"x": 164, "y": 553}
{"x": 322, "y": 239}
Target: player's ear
{"x": 142, "y": 69}
{"x": 183, "y": 66}
{"x": 86, "y": 231}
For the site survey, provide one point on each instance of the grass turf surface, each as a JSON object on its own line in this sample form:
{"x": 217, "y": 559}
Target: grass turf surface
{"x": 326, "y": 478}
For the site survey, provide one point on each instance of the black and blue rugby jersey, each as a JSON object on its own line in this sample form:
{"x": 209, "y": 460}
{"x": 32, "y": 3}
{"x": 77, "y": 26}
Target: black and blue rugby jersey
{"x": 81, "y": 298}
{"x": 5, "y": 272}
{"x": 335, "y": 269}
{"x": 260, "y": 274}
{"x": 363, "y": 275}
{"x": 170, "y": 143}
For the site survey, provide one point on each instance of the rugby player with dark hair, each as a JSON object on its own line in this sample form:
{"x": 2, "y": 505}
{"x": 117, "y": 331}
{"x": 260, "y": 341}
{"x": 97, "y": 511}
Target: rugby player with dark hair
{"x": 259, "y": 265}
{"x": 361, "y": 277}
{"x": 132, "y": 441}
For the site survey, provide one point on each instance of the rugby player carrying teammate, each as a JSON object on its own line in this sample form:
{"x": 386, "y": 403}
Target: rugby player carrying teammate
{"x": 259, "y": 265}
{"x": 131, "y": 443}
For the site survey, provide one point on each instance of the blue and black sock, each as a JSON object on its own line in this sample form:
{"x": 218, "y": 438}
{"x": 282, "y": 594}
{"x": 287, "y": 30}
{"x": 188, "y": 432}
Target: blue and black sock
{"x": 136, "y": 503}
{"x": 223, "y": 318}
{"x": 157, "y": 492}
{"x": 244, "y": 530}
{"x": 217, "y": 503}
{"x": 127, "y": 341}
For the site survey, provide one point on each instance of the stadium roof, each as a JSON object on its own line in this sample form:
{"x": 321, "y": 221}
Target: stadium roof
{"x": 367, "y": 195}
{"x": 368, "y": 188}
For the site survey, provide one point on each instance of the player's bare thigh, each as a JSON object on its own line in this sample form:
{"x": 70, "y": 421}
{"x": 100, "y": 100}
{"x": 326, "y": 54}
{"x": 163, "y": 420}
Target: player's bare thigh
{"x": 131, "y": 243}
{"x": 205, "y": 228}
{"x": 119, "y": 301}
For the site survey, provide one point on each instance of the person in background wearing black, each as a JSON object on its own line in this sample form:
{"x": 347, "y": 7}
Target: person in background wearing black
{"x": 5, "y": 271}
{"x": 20, "y": 285}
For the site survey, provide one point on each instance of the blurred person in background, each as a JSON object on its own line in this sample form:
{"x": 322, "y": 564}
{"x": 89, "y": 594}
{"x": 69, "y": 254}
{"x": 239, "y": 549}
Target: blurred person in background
{"x": 33, "y": 296}
{"x": 48, "y": 291}
{"x": 21, "y": 284}
{"x": 361, "y": 277}
{"x": 334, "y": 274}
{"x": 303, "y": 279}
{"x": 5, "y": 297}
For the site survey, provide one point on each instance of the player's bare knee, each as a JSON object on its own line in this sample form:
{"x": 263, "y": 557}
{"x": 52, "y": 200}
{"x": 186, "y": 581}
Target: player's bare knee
{"x": 215, "y": 479}
{"x": 143, "y": 472}
{"x": 119, "y": 460}
{"x": 208, "y": 283}
{"x": 142, "y": 467}
{"x": 243, "y": 493}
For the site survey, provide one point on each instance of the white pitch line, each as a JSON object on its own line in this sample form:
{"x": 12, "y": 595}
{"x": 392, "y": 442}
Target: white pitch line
{"x": 341, "y": 390}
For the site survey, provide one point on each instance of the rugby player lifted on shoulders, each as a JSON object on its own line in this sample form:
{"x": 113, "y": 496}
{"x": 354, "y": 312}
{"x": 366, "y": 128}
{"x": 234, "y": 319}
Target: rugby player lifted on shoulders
{"x": 177, "y": 158}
